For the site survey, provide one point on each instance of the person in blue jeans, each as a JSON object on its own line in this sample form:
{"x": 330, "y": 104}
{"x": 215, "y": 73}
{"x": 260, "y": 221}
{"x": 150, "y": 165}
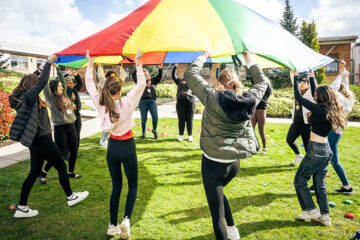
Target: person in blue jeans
{"x": 326, "y": 114}
{"x": 148, "y": 101}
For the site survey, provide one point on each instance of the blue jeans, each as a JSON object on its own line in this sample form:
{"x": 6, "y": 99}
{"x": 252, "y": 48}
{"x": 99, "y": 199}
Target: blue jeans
{"x": 104, "y": 136}
{"x": 146, "y": 105}
{"x": 334, "y": 139}
{"x": 314, "y": 164}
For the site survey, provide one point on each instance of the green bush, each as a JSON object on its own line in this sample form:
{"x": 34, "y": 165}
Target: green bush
{"x": 162, "y": 90}
{"x": 279, "y": 107}
{"x": 7, "y": 84}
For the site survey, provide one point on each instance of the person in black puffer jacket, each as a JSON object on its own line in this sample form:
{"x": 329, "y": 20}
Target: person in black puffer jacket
{"x": 148, "y": 100}
{"x": 32, "y": 128}
{"x": 185, "y": 106}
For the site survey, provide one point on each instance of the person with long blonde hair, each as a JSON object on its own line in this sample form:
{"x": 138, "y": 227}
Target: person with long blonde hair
{"x": 116, "y": 117}
{"x": 325, "y": 114}
{"x": 227, "y": 134}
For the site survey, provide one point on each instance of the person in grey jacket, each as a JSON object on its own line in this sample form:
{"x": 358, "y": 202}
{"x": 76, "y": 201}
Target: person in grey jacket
{"x": 63, "y": 118}
{"x": 227, "y": 134}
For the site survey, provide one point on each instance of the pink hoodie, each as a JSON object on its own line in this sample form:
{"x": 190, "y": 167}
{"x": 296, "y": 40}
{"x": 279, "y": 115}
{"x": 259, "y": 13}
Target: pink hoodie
{"x": 125, "y": 106}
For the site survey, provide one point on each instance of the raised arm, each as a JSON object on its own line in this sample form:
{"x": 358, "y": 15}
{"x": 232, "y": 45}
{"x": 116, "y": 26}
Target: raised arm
{"x": 134, "y": 75}
{"x": 89, "y": 81}
{"x": 79, "y": 82}
{"x": 174, "y": 75}
{"x": 155, "y": 80}
{"x": 195, "y": 81}
{"x": 33, "y": 93}
{"x": 313, "y": 84}
{"x": 101, "y": 75}
{"x": 313, "y": 107}
{"x": 62, "y": 80}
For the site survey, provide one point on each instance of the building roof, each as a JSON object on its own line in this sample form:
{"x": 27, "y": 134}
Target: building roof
{"x": 24, "y": 49}
{"x": 337, "y": 39}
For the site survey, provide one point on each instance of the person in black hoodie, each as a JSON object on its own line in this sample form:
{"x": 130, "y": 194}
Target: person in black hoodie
{"x": 148, "y": 100}
{"x": 185, "y": 106}
{"x": 32, "y": 128}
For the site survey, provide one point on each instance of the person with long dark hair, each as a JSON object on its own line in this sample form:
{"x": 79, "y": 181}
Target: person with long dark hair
{"x": 63, "y": 118}
{"x": 148, "y": 101}
{"x": 226, "y": 134}
{"x": 116, "y": 117}
{"x": 32, "y": 128}
{"x": 325, "y": 114}
{"x": 185, "y": 106}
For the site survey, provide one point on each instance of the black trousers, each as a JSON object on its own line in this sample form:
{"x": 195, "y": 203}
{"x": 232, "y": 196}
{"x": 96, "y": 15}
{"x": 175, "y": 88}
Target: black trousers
{"x": 185, "y": 110}
{"x": 77, "y": 125}
{"x": 215, "y": 177}
{"x": 298, "y": 128}
{"x": 66, "y": 136}
{"x": 44, "y": 148}
{"x": 118, "y": 153}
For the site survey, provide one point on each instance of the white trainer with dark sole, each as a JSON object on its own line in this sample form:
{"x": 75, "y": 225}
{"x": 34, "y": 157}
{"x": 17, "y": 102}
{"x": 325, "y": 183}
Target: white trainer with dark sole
{"x": 77, "y": 197}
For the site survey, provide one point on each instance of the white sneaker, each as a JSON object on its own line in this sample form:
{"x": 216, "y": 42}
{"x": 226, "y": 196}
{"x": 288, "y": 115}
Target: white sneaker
{"x": 180, "y": 139}
{"x": 233, "y": 233}
{"x": 298, "y": 158}
{"x": 77, "y": 197}
{"x": 104, "y": 144}
{"x": 125, "y": 228}
{"x": 191, "y": 139}
{"x": 25, "y": 212}
{"x": 312, "y": 214}
{"x": 324, "y": 220}
{"x": 113, "y": 230}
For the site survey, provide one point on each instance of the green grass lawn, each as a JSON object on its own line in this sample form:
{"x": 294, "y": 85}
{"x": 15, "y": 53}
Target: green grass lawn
{"x": 171, "y": 202}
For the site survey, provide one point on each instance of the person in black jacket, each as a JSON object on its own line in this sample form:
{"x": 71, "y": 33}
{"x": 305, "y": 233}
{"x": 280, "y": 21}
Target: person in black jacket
{"x": 260, "y": 116}
{"x": 32, "y": 127}
{"x": 185, "y": 106}
{"x": 148, "y": 101}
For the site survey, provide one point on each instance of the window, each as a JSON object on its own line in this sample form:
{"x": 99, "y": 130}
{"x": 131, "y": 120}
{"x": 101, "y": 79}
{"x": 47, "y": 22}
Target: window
{"x": 333, "y": 67}
{"x": 205, "y": 72}
{"x": 19, "y": 62}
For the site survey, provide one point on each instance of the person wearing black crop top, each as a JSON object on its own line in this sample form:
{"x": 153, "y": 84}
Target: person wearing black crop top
{"x": 185, "y": 106}
{"x": 325, "y": 114}
{"x": 148, "y": 101}
{"x": 260, "y": 116}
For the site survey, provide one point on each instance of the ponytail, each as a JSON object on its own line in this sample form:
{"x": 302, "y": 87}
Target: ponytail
{"x": 112, "y": 86}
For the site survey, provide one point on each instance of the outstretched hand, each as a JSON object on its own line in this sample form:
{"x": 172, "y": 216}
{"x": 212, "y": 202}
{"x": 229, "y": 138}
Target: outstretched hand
{"x": 311, "y": 74}
{"x": 206, "y": 54}
{"x": 52, "y": 58}
{"x": 247, "y": 58}
{"x": 90, "y": 59}
{"x": 138, "y": 57}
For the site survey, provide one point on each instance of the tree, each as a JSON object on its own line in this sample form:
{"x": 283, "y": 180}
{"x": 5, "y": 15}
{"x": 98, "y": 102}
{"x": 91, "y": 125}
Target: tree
{"x": 308, "y": 35}
{"x": 3, "y": 61}
{"x": 288, "y": 21}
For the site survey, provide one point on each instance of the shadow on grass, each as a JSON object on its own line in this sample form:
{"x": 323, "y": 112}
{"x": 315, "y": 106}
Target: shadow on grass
{"x": 246, "y": 229}
{"x": 253, "y": 171}
{"x": 236, "y": 204}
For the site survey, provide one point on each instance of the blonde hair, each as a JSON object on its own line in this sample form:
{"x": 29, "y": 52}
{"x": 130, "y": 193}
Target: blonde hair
{"x": 346, "y": 92}
{"x": 229, "y": 79}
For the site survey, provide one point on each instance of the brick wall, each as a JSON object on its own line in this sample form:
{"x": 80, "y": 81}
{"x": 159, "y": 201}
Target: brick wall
{"x": 343, "y": 52}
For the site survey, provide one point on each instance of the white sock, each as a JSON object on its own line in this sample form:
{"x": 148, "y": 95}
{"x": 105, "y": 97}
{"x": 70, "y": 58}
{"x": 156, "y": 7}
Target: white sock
{"x": 70, "y": 197}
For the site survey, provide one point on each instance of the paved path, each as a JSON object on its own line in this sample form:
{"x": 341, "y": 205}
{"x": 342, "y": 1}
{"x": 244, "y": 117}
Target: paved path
{"x": 14, "y": 153}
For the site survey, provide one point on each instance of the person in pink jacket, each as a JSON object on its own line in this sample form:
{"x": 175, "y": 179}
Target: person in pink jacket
{"x": 116, "y": 117}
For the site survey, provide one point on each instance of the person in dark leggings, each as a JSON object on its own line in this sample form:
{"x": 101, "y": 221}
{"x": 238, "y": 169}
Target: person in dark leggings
{"x": 326, "y": 114}
{"x": 185, "y": 106}
{"x": 74, "y": 84}
{"x": 260, "y": 116}
{"x": 226, "y": 134}
{"x": 34, "y": 130}
{"x": 148, "y": 101}
{"x": 116, "y": 117}
{"x": 63, "y": 118}
{"x": 300, "y": 125}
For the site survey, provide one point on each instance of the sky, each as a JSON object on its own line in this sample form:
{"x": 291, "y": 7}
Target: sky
{"x": 58, "y": 24}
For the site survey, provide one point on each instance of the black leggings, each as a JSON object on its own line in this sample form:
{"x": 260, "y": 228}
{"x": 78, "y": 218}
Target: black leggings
{"x": 185, "y": 110}
{"x": 77, "y": 125}
{"x": 122, "y": 152}
{"x": 66, "y": 136}
{"x": 215, "y": 177}
{"x": 44, "y": 148}
{"x": 298, "y": 128}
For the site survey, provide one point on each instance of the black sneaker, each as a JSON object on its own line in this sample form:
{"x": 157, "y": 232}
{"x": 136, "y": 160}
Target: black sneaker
{"x": 74, "y": 175}
{"x": 143, "y": 136}
{"x": 312, "y": 189}
{"x": 343, "y": 190}
{"x": 156, "y": 135}
{"x": 42, "y": 177}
